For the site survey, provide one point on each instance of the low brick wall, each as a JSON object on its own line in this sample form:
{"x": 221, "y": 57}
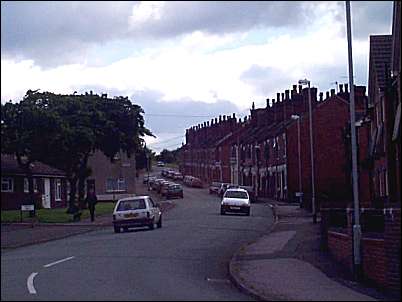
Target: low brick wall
{"x": 374, "y": 260}
{"x": 340, "y": 247}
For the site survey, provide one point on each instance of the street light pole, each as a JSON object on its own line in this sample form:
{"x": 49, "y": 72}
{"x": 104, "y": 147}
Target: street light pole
{"x": 305, "y": 81}
{"x": 356, "y": 226}
{"x": 297, "y": 117}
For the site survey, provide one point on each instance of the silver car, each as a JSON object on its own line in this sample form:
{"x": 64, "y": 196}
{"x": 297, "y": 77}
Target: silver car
{"x": 135, "y": 212}
{"x": 235, "y": 200}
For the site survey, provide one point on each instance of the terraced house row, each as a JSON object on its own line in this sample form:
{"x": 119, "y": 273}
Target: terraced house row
{"x": 270, "y": 151}
{"x": 262, "y": 150}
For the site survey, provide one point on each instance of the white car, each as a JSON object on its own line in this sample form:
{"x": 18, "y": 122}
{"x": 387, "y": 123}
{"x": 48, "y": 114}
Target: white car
{"x": 235, "y": 200}
{"x": 136, "y": 211}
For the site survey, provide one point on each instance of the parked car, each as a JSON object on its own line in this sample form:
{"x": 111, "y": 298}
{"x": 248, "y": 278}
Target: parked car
{"x": 161, "y": 184}
{"x": 170, "y": 173}
{"x": 177, "y": 176}
{"x": 214, "y": 187}
{"x": 160, "y": 164}
{"x": 187, "y": 180}
{"x": 136, "y": 211}
{"x": 196, "y": 182}
{"x": 235, "y": 200}
{"x": 156, "y": 183}
{"x": 251, "y": 193}
{"x": 174, "y": 190}
{"x": 164, "y": 187}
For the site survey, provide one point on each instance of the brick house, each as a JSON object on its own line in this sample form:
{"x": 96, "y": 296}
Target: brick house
{"x": 379, "y": 172}
{"x": 112, "y": 180}
{"x": 50, "y": 185}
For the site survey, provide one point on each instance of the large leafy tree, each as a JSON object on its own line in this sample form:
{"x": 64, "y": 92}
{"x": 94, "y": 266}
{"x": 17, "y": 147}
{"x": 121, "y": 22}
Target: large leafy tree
{"x": 73, "y": 127}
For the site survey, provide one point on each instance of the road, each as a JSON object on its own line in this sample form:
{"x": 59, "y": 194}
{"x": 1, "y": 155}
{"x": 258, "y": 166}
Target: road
{"x": 187, "y": 259}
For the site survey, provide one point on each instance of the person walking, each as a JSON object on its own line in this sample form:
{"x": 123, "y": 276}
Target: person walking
{"x": 91, "y": 200}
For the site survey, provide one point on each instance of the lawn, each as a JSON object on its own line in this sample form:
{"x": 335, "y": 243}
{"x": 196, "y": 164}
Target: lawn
{"x": 56, "y": 215}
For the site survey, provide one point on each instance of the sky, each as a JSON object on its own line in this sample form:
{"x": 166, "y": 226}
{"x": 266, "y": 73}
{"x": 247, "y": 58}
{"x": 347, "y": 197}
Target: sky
{"x": 183, "y": 62}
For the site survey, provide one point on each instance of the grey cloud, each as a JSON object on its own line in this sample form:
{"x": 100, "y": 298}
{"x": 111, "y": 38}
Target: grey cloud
{"x": 55, "y": 33}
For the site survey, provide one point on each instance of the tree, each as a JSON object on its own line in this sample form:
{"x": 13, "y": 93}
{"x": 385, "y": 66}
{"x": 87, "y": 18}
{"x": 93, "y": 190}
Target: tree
{"x": 26, "y": 127}
{"x": 64, "y": 130}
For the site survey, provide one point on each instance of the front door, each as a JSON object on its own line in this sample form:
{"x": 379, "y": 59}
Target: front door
{"x": 46, "y": 199}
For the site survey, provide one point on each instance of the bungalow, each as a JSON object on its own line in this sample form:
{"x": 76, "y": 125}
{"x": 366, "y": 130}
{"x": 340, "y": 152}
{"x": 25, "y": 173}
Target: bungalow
{"x": 50, "y": 185}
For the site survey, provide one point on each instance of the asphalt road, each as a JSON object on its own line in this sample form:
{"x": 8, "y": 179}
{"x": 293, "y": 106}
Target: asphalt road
{"x": 187, "y": 259}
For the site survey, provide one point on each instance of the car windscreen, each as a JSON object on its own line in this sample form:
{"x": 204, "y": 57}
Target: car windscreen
{"x": 175, "y": 188}
{"x": 134, "y": 204}
{"x": 236, "y": 194}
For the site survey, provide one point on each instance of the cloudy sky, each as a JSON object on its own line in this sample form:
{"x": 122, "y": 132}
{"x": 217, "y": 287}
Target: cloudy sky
{"x": 183, "y": 62}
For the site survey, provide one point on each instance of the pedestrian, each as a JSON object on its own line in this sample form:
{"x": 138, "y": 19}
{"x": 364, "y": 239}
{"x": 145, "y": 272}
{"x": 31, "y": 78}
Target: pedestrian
{"x": 91, "y": 200}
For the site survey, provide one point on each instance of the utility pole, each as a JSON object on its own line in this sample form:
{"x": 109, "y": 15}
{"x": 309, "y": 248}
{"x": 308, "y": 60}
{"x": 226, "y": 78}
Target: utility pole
{"x": 356, "y": 225}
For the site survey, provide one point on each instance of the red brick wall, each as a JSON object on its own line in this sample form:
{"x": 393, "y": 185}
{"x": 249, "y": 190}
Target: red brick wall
{"x": 373, "y": 260}
{"x": 340, "y": 247}
{"x": 392, "y": 240}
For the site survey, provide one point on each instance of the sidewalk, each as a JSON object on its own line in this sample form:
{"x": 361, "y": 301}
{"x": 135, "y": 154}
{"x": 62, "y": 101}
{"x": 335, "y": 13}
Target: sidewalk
{"x": 14, "y": 235}
{"x": 287, "y": 264}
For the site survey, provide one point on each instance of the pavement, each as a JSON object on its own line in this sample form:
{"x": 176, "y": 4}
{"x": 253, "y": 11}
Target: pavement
{"x": 288, "y": 264}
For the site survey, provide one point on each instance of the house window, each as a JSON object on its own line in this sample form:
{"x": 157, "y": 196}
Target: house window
{"x": 114, "y": 184}
{"x": 7, "y": 184}
{"x": 57, "y": 188}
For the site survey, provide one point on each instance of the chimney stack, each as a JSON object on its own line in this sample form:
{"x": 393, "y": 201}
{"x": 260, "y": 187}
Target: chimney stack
{"x": 278, "y": 96}
{"x": 321, "y": 96}
{"x": 283, "y": 96}
{"x": 286, "y": 94}
{"x": 207, "y": 123}
{"x": 220, "y": 118}
{"x": 234, "y": 115}
{"x": 216, "y": 120}
{"x": 294, "y": 88}
{"x": 267, "y": 103}
{"x": 341, "y": 88}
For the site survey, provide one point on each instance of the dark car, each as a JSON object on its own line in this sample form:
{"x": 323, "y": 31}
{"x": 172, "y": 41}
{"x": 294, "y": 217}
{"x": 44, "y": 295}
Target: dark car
{"x": 174, "y": 190}
{"x": 214, "y": 187}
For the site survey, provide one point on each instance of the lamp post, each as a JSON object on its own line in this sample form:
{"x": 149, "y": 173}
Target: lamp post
{"x": 297, "y": 117}
{"x": 356, "y": 226}
{"x": 307, "y": 82}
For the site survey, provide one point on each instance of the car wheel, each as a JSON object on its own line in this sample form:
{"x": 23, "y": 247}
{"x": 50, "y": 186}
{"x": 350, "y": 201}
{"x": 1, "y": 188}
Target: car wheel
{"x": 116, "y": 229}
{"x": 159, "y": 225}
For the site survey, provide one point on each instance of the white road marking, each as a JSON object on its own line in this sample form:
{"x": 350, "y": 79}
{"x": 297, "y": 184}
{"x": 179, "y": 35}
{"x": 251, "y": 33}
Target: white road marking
{"x": 59, "y": 261}
{"x": 30, "y": 285}
{"x": 218, "y": 280}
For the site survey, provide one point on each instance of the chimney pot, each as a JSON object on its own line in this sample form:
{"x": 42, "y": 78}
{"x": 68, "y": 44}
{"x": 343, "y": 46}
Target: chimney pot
{"x": 224, "y": 118}
{"x": 267, "y": 103}
{"x": 332, "y": 92}
{"x": 300, "y": 88}
{"x": 253, "y": 106}
{"x": 207, "y": 123}
{"x": 327, "y": 95}
{"x": 234, "y": 115}
{"x": 321, "y": 96}
{"x": 278, "y": 96}
{"x": 346, "y": 88}
{"x": 295, "y": 88}
{"x": 283, "y": 96}
{"x": 341, "y": 88}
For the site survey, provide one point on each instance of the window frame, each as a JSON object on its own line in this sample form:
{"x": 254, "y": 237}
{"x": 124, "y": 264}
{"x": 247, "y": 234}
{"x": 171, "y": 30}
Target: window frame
{"x": 10, "y": 184}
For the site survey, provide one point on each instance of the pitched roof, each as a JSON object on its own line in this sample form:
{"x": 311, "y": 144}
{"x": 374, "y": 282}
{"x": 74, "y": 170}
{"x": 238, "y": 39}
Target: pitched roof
{"x": 9, "y": 165}
{"x": 380, "y": 58}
